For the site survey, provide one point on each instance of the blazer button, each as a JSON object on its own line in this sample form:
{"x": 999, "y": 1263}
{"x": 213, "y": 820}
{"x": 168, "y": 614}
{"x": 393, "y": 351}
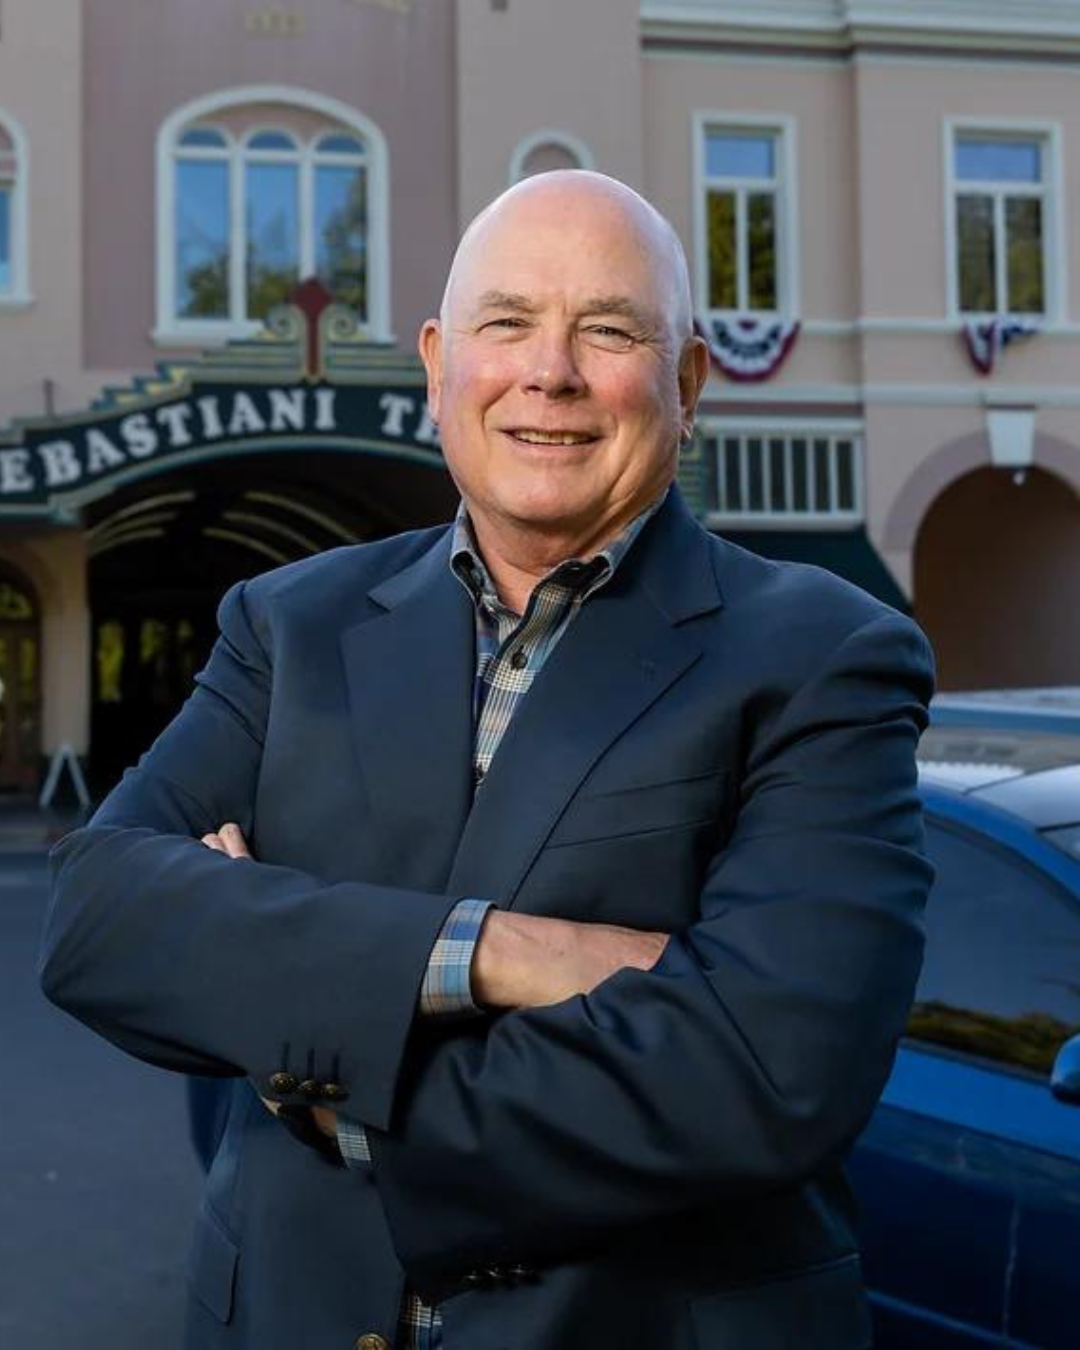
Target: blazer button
{"x": 285, "y": 1083}
{"x": 310, "y": 1087}
{"x": 334, "y": 1092}
{"x": 371, "y": 1341}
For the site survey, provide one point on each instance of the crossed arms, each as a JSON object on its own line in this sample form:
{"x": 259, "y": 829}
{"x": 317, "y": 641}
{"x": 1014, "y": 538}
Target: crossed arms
{"x": 748, "y": 1054}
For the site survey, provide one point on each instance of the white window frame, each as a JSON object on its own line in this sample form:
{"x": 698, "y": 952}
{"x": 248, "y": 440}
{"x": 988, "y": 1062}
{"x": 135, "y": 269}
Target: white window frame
{"x": 565, "y": 140}
{"x": 784, "y": 129}
{"x": 172, "y": 330}
{"x": 743, "y": 428}
{"x": 1055, "y": 278}
{"x": 18, "y": 295}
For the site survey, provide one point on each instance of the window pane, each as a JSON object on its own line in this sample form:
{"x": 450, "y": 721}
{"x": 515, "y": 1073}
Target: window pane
{"x": 822, "y": 487}
{"x": 337, "y": 144}
{"x": 734, "y": 497}
{"x": 271, "y": 140}
{"x": 730, "y": 155}
{"x": 778, "y": 497}
{"x": 755, "y": 497}
{"x": 800, "y": 475}
{"x": 341, "y": 233}
{"x": 845, "y": 451}
{"x": 1002, "y": 952}
{"x": 975, "y": 249}
{"x": 710, "y": 471}
{"x": 202, "y": 240}
{"x": 1023, "y": 235}
{"x": 5, "y": 239}
{"x": 205, "y": 138}
{"x": 1002, "y": 161}
{"x": 761, "y": 230}
{"x": 722, "y": 261}
{"x": 273, "y": 236}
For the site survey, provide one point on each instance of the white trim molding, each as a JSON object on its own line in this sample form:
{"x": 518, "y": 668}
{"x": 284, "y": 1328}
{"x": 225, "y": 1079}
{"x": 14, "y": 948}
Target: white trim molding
{"x": 171, "y": 331}
{"x": 18, "y": 294}
{"x": 1055, "y": 262}
{"x": 783, "y": 127}
{"x": 563, "y": 140}
{"x": 1035, "y": 26}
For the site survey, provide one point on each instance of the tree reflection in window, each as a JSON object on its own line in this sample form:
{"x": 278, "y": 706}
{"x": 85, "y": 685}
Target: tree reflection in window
{"x": 254, "y": 217}
{"x": 110, "y": 661}
{"x": 1001, "y": 977}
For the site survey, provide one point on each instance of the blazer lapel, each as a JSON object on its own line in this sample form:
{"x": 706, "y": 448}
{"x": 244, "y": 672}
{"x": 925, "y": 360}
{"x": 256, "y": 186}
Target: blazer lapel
{"x": 624, "y": 650}
{"x": 409, "y": 672}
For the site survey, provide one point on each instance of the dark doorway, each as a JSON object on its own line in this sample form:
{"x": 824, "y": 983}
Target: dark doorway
{"x": 997, "y": 572}
{"x": 163, "y": 552}
{"x": 20, "y": 684}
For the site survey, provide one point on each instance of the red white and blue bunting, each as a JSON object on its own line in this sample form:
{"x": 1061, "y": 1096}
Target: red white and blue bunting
{"x": 748, "y": 349}
{"x": 986, "y": 338}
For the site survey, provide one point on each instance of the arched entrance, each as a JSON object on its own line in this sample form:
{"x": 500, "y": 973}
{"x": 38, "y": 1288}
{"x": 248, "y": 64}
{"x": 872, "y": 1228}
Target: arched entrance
{"x": 164, "y": 550}
{"x": 20, "y": 683}
{"x": 997, "y": 573}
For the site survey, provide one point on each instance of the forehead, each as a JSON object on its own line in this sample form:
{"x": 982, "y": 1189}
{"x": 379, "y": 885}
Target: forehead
{"x": 566, "y": 247}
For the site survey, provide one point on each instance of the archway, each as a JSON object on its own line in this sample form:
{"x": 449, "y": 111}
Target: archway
{"x": 20, "y": 683}
{"x": 164, "y": 550}
{"x": 997, "y": 573}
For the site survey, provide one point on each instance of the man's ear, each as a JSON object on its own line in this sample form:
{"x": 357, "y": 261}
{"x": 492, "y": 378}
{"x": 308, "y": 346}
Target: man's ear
{"x": 693, "y": 372}
{"x": 430, "y": 347}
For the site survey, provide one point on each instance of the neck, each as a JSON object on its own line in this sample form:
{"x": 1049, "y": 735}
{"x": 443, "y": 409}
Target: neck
{"x": 517, "y": 559}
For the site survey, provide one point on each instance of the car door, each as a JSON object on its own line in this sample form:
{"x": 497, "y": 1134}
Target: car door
{"x": 969, "y": 1173}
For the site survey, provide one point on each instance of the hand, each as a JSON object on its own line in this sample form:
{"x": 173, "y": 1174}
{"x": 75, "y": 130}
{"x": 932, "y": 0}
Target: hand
{"x": 229, "y": 838}
{"x": 527, "y": 961}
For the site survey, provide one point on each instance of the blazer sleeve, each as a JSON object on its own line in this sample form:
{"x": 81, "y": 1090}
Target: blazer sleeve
{"x": 202, "y": 963}
{"x": 752, "y": 1053}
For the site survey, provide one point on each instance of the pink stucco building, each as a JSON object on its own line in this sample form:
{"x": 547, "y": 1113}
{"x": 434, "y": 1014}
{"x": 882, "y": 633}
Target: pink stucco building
{"x": 879, "y": 202}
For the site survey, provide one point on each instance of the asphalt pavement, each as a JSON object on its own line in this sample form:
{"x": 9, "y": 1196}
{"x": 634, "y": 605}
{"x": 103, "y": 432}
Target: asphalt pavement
{"x": 98, "y": 1182}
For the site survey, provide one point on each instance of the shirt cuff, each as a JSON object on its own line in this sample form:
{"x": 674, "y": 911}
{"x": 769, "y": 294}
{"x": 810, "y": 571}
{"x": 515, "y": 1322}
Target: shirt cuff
{"x": 446, "y": 990}
{"x": 353, "y": 1142}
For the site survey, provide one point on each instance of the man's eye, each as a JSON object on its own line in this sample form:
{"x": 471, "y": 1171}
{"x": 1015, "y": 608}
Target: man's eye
{"x": 606, "y": 335}
{"x": 510, "y": 321}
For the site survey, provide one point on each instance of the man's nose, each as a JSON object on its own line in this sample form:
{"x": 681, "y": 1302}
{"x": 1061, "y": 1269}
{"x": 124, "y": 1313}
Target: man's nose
{"x": 553, "y": 366}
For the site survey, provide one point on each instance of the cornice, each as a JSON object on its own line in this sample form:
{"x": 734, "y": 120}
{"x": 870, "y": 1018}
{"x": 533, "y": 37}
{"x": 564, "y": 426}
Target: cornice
{"x": 1020, "y": 28}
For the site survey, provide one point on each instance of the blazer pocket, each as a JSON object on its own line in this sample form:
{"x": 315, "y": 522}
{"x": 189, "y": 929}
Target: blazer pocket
{"x": 823, "y": 1308}
{"x": 212, "y": 1265}
{"x": 641, "y": 809}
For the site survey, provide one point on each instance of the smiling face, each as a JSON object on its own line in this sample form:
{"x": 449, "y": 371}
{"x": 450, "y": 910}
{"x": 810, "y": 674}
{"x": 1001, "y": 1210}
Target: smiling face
{"x": 563, "y": 374}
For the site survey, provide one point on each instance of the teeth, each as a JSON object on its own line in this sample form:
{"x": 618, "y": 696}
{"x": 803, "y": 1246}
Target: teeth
{"x": 553, "y": 437}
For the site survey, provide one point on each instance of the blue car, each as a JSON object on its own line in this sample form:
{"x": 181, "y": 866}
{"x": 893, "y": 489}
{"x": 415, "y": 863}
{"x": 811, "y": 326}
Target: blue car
{"x": 968, "y": 1176}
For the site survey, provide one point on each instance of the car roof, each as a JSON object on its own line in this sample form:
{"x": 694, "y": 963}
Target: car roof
{"x": 1032, "y": 774}
{"x": 1054, "y": 708}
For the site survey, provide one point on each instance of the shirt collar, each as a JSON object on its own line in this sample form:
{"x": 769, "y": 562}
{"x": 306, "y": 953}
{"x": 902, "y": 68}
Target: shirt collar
{"x": 575, "y": 573}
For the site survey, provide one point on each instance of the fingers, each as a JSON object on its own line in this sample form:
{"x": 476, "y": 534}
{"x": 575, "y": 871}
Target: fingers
{"x": 229, "y": 839}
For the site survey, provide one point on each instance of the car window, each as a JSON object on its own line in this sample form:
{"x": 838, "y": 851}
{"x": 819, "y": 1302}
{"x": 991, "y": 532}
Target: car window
{"x": 1001, "y": 976}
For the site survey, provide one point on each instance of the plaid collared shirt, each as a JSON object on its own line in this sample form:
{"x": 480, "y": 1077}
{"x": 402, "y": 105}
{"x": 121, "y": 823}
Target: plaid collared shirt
{"x": 511, "y": 650}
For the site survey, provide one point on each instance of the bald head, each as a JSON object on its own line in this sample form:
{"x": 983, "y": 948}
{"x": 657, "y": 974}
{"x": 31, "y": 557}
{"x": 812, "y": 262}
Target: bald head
{"x": 573, "y": 195}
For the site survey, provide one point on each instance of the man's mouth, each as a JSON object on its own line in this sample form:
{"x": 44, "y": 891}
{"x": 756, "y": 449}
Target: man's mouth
{"x": 534, "y": 436}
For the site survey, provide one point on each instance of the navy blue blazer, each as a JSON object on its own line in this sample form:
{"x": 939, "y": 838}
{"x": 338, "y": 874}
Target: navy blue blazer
{"x": 720, "y": 746}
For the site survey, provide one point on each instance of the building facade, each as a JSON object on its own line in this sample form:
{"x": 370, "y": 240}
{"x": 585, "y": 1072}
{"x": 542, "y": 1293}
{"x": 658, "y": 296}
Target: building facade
{"x": 223, "y": 222}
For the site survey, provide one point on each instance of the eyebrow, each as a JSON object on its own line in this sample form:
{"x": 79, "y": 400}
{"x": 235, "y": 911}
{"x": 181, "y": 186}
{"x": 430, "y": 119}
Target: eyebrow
{"x": 614, "y": 305}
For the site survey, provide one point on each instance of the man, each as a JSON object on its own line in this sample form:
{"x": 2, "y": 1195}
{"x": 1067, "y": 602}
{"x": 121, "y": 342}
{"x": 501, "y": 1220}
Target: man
{"x": 586, "y": 910}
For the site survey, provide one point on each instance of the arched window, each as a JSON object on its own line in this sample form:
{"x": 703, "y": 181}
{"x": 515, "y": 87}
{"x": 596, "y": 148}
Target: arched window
{"x": 546, "y": 150}
{"x": 14, "y": 234}
{"x": 259, "y": 190}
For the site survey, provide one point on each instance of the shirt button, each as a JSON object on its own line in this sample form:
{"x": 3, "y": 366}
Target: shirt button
{"x": 520, "y": 659}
